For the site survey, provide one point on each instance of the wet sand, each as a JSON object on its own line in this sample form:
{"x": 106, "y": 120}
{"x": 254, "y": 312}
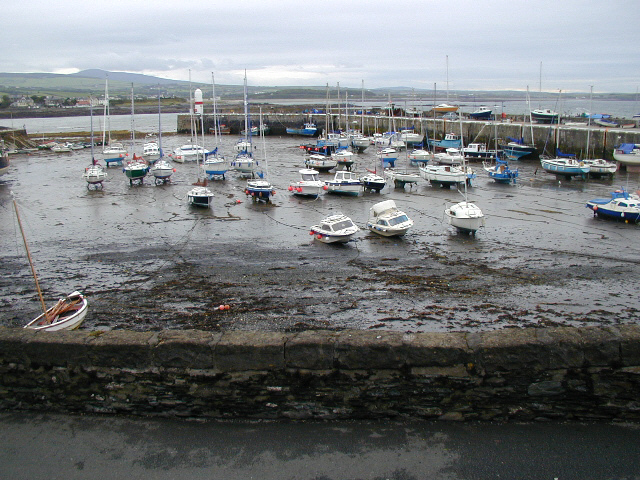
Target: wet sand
{"x": 148, "y": 261}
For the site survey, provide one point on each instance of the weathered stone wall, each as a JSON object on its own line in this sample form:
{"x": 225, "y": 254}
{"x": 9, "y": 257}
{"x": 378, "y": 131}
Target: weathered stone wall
{"x": 554, "y": 373}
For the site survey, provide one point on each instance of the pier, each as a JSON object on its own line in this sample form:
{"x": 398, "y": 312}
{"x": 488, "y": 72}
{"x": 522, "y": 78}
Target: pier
{"x": 569, "y": 138}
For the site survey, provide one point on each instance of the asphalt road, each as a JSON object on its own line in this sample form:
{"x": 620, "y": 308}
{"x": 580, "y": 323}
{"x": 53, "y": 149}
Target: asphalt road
{"x": 37, "y": 446}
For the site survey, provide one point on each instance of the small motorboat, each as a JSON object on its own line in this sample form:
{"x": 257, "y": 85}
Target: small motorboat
{"x": 344, "y": 158}
{"x": 443, "y": 175}
{"x": 621, "y": 206}
{"x": 200, "y": 196}
{"x": 385, "y": 219}
{"x": 373, "y": 182}
{"x": 387, "y": 156}
{"x": 188, "y": 152}
{"x": 419, "y": 156}
{"x": 344, "y": 182}
{"x": 600, "y": 167}
{"x": 259, "y": 190}
{"x": 401, "y": 178}
{"x": 67, "y": 314}
{"x": 319, "y": 162}
{"x": 309, "y": 184}
{"x": 334, "y": 229}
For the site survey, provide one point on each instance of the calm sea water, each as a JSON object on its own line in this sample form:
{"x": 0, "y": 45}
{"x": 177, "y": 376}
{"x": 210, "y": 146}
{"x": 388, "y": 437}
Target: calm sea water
{"x": 149, "y": 122}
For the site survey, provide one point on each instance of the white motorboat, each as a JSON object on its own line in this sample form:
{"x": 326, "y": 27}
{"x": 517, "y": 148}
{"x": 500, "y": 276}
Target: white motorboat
{"x": 387, "y": 220}
{"x": 162, "y": 171}
{"x": 189, "y": 152}
{"x": 465, "y": 216}
{"x": 344, "y": 182}
{"x": 451, "y": 156}
{"x": 200, "y": 196}
{"x": 401, "y": 178}
{"x": 600, "y": 167}
{"x": 321, "y": 163}
{"x": 622, "y": 205}
{"x": 309, "y": 184}
{"x": 410, "y": 136}
{"x": 373, "y": 182}
{"x": 444, "y": 175}
{"x": 243, "y": 145}
{"x": 419, "y": 156}
{"x": 334, "y": 229}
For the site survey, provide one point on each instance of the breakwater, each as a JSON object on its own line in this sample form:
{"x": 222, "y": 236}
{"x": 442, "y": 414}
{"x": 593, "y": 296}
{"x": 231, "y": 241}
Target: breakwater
{"x": 513, "y": 374}
{"x": 570, "y": 139}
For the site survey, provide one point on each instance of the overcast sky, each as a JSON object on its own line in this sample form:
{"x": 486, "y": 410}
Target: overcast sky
{"x": 498, "y": 44}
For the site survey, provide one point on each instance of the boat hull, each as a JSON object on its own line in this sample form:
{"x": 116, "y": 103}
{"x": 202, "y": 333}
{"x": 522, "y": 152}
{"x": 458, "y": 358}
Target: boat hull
{"x": 200, "y": 197}
{"x": 563, "y": 168}
{"x": 68, "y": 322}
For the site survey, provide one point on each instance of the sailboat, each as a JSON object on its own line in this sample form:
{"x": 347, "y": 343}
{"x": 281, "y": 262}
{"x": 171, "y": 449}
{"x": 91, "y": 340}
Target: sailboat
{"x": 260, "y": 189}
{"x": 94, "y": 174}
{"x": 215, "y": 165}
{"x": 189, "y": 151}
{"x": 467, "y": 217}
{"x": 67, "y": 314}
{"x": 136, "y": 168}
{"x": 199, "y": 195}
{"x": 244, "y": 162}
{"x": 111, "y": 152}
{"x": 161, "y": 169}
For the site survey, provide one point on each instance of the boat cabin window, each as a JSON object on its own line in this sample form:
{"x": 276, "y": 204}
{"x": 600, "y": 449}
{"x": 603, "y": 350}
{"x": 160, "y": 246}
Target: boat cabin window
{"x": 398, "y": 220}
{"x": 343, "y": 224}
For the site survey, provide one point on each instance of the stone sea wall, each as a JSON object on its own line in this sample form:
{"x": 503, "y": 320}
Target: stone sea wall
{"x": 514, "y": 374}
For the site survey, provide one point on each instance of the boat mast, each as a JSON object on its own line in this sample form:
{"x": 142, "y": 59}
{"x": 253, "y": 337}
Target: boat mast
{"x": 106, "y": 113}
{"x": 362, "y": 111}
{"x": 159, "y": 125}
{"x": 589, "y": 121}
{"x": 247, "y": 133}
{"x": 215, "y": 111}
{"x": 93, "y": 159}
{"x": 133, "y": 128}
{"x": 447, "y": 79}
{"x": 33, "y": 269}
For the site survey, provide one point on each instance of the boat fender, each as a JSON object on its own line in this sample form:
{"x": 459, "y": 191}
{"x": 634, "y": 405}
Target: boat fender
{"x": 325, "y": 187}
{"x": 290, "y": 188}
{"x": 319, "y": 237}
{"x": 273, "y": 192}
{"x": 311, "y": 232}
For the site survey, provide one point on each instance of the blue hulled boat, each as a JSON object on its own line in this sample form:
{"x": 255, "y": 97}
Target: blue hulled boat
{"x": 621, "y": 206}
{"x": 308, "y": 130}
{"x": 500, "y": 172}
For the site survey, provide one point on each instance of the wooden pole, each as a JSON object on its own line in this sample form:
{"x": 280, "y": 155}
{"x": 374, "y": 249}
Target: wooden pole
{"x": 33, "y": 270}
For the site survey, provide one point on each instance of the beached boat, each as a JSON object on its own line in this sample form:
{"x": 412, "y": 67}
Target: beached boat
{"x": 344, "y": 158}
{"x": 450, "y": 140}
{"x": 309, "y": 184}
{"x": 309, "y": 129}
{"x": 4, "y": 160}
{"x": 565, "y": 167}
{"x": 334, "y": 229}
{"x": 444, "y": 108}
{"x": 67, "y": 314}
{"x": 627, "y": 154}
{"x": 345, "y": 183}
{"x": 200, "y": 196}
{"x": 372, "y": 182}
{"x": 151, "y": 148}
{"x": 161, "y": 169}
{"x": 244, "y": 162}
{"x": 94, "y": 174}
{"x": 465, "y": 216}
{"x": 321, "y": 163}
{"x": 516, "y": 149}
{"x": 189, "y": 152}
{"x": 481, "y": 113}
{"x": 261, "y": 189}
{"x": 478, "y": 150}
{"x": 621, "y": 206}
{"x": 500, "y": 171}
{"x": 451, "y": 156}
{"x": 136, "y": 168}
{"x": 419, "y": 156}
{"x": 599, "y": 167}
{"x": 387, "y": 220}
{"x": 443, "y": 175}
{"x": 603, "y": 122}
{"x": 112, "y": 153}
{"x": 388, "y": 157}
{"x": 544, "y": 115}
{"x": 410, "y": 136}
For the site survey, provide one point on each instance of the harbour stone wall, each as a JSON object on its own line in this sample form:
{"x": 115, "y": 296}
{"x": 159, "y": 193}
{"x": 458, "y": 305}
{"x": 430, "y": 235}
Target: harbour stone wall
{"x": 513, "y": 374}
